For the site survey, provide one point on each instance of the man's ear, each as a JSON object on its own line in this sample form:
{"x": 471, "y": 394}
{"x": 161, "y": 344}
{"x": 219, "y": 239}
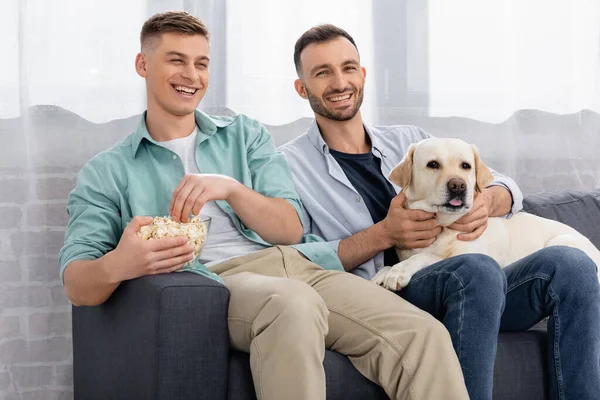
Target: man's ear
{"x": 483, "y": 176}
{"x": 401, "y": 175}
{"x": 299, "y": 86}
{"x": 140, "y": 64}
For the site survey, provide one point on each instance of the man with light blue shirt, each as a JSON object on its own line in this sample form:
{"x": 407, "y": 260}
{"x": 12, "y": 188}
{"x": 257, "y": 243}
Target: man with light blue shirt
{"x": 288, "y": 300}
{"x": 340, "y": 168}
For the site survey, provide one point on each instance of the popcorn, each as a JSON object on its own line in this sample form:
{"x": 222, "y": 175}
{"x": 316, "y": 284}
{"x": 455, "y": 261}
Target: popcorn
{"x": 195, "y": 230}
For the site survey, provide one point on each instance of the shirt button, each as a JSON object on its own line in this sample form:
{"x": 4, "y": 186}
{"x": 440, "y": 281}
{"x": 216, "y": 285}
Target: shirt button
{"x": 357, "y": 199}
{"x": 174, "y": 157}
{"x": 378, "y": 265}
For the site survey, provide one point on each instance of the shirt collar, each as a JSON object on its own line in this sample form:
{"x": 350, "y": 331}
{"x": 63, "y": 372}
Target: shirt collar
{"x": 375, "y": 142}
{"x": 208, "y": 126}
{"x": 314, "y": 135}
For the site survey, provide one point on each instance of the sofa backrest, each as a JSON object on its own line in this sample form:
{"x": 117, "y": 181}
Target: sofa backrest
{"x": 578, "y": 209}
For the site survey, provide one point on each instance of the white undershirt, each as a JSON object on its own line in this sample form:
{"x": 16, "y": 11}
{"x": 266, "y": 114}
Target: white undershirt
{"x": 224, "y": 240}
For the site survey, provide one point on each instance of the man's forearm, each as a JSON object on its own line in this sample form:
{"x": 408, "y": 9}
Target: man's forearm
{"x": 362, "y": 246}
{"x": 499, "y": 200}
{"x": 275, "y": 220}
{"x": 87, "y": 283}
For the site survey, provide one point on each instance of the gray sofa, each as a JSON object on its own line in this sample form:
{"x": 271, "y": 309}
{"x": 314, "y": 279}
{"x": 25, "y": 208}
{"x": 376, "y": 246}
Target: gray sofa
{"x": 165, "y": 337}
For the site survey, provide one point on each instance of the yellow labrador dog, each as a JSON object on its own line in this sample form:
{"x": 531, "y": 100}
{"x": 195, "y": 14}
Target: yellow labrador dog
{"x": 442, "y": 176}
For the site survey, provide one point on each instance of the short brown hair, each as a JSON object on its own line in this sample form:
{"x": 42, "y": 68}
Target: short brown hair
{"x": 318, "y": 34}
{"x": 172, "y": 22}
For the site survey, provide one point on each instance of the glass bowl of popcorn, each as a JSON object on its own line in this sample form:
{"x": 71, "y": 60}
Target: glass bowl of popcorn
{"x": 196, "y": 230}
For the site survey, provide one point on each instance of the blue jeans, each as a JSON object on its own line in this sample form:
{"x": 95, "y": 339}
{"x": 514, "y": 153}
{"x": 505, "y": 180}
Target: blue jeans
{"x": 475, "y": 299}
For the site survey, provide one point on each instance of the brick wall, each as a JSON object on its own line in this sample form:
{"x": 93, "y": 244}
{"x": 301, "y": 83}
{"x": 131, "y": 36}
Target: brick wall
{"x": 35, "y": 326}
{"x": 40, "y": 155}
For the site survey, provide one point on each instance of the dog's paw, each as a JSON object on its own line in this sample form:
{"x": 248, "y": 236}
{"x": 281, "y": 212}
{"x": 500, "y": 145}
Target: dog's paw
{"x": 392, "y": 278}
{"x": 379, "y": 278}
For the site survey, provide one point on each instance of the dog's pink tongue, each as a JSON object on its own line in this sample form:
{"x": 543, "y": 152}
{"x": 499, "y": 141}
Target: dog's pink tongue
{"x": 456, "y": 202}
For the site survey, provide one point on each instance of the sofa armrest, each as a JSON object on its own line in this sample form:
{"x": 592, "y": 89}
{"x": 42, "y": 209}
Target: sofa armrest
{"x": 157, "y": 337}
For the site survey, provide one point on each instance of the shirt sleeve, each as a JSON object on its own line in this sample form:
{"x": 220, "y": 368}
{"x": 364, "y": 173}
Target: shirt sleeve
{"x": 306, "y": 220}
{"x": 94, "y": 226}
{"x": 512, "y": 187}
{"x": 311, "y": 232}
{"x": 271, "y": 174}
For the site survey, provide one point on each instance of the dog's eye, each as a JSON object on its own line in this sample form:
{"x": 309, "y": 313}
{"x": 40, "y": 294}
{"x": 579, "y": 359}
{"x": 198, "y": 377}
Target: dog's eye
{"x": 466, "y": 166}
{"x": 433, "y": 165}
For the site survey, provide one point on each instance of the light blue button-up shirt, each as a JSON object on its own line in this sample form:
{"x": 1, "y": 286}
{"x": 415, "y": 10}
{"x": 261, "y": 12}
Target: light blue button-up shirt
{"x": 334, "y": 210}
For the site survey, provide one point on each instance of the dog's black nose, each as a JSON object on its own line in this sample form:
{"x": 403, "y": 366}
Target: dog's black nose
{"x": 457, "y": 186}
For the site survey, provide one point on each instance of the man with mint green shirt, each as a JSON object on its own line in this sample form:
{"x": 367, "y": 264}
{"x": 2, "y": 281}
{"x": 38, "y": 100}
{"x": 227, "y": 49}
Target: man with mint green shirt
{"x": 289, "y": 296}
{"x": 139, "y": 162}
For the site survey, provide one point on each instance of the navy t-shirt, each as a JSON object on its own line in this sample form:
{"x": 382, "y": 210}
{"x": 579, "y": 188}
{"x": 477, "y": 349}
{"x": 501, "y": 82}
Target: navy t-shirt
{"x": 364, "y": 173}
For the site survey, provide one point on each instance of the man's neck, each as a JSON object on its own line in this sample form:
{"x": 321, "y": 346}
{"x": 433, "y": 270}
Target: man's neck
{"x": 163, "y": 126}
{"x": 345, "y": 136}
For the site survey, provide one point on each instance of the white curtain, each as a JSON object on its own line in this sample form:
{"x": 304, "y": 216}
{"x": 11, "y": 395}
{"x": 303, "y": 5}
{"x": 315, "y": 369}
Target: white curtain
{"x": 480, "y": 59}
{"x": 531, "y": 67}
{"x": 73, "y": 54}
{"x": 489, "y": 58}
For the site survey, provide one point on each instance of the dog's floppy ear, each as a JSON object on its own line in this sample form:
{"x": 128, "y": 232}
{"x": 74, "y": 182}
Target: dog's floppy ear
{"x": 401, "y": 175}
{"x": 483, "y": 176}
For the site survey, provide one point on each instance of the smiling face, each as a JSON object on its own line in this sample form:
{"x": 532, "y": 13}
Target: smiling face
{"x": 332, "y": 79}
{"x": 441, "y": 175}
{"x": 175, "y": 67}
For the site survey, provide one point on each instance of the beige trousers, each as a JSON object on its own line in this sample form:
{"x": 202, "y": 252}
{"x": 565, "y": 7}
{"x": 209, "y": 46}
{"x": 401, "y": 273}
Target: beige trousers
{"x": 285, "y": 310}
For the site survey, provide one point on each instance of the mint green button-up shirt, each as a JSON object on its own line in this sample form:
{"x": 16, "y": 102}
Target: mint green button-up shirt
{"x": 137, "y": 177}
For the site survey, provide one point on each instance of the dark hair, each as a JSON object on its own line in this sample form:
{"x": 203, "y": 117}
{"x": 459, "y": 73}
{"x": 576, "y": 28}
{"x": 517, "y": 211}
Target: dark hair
{"x": 172, "y": 22}
{"x": 318, "y": 34}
